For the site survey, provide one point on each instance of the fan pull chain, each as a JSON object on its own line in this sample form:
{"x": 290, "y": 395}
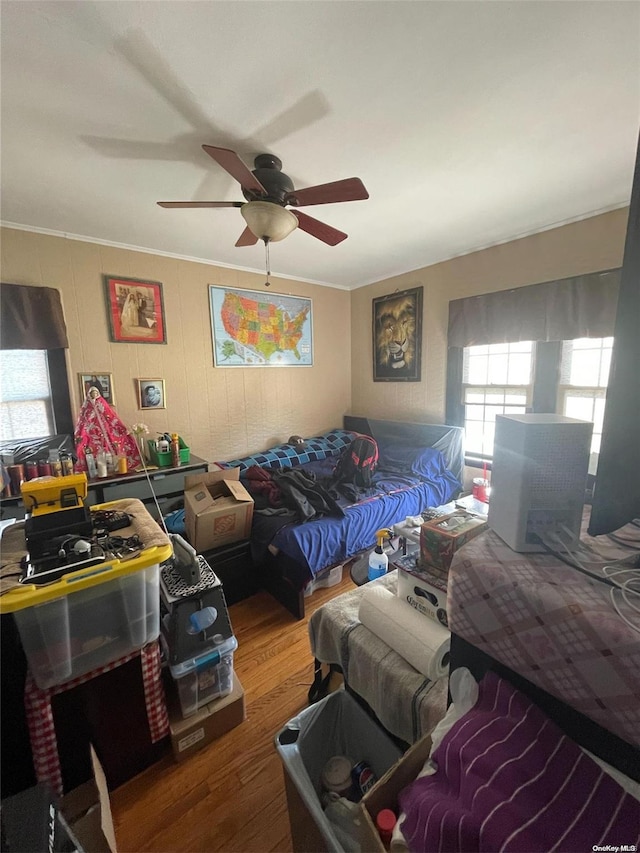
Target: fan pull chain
{"x": 267, "y": 262}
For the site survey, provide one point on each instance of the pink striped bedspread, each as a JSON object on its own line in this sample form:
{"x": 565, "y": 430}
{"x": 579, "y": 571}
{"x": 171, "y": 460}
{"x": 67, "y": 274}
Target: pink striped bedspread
{"x": 508, "y": 779}
{"x": 552, "y": 625}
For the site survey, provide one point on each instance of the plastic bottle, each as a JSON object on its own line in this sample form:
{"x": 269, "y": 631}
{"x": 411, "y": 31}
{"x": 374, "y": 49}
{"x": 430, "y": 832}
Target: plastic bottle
{"x": 385, "y": 824}
{"x": 347, "y": 816}
{"x": 55, "y": 462}
{"x": 378, "y": 560}
{"x": 101, "y": 464}
{"x": 175, "y": 449}
{"x": 336, "y": 775}
{"x": 92, "y": 469}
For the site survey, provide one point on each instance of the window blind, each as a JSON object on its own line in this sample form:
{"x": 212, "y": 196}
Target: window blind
{"x": 578, "y": 307}
{"x": 31, "y": 318}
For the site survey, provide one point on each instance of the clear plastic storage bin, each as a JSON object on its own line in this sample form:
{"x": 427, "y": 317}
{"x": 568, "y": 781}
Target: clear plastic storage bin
{"x": 90, "y": 617}
{"x": 330, "y": 577}
{"x": 77, "y": 633}
{"x": 205, "y": 677}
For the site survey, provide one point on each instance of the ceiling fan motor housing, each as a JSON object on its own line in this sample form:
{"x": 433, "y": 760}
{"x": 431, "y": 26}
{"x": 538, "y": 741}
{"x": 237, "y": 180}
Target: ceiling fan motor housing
{"x": 268, "y": 170}
{"x": 268, "y": 191}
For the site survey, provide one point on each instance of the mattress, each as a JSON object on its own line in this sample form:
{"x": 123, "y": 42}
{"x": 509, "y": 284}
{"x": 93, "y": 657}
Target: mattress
{"x": 417, "y": 468}
{"x": 330, "y": 540}
{"x": 552, "y": 625}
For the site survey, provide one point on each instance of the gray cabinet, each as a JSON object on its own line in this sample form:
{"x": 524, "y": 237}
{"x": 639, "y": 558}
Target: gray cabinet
{"x": 167, "y": 484}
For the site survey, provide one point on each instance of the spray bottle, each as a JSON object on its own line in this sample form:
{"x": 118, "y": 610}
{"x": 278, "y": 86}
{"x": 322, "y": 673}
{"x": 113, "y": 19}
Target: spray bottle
{"x": 175, "y": 449}
{"x": 378, "y": 560}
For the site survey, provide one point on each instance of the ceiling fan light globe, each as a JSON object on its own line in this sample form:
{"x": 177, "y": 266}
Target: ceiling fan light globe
{"x": 269, "y": 221}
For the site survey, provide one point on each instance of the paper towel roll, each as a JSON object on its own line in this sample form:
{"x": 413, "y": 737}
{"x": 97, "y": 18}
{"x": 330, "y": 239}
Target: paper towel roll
{"x": 420, "y": 641}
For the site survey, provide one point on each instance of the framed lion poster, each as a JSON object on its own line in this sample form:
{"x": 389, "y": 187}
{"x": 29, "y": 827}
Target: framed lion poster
{"x": 397, "y": 336}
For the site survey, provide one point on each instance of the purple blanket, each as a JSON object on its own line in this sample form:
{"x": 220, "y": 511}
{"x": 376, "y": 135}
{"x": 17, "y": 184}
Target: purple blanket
{"x": 509, "y": 779}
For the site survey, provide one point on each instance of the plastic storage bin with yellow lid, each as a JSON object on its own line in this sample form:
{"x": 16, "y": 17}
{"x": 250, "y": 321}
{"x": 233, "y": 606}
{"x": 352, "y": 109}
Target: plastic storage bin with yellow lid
{"x": 89, "y": 617}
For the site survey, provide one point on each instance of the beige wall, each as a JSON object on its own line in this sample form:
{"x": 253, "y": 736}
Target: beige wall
{"x": 586, "y": 246}
{"x": 221, "y": 412}
{"x": 226, "y": 412}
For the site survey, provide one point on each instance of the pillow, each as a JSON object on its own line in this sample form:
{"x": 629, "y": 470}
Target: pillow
{"x": 425, "y": 462}
{"x": 288, "y": 456}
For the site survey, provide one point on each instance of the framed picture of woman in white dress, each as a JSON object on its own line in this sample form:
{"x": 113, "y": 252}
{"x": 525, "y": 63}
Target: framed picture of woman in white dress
{"x": 136, "y": 310}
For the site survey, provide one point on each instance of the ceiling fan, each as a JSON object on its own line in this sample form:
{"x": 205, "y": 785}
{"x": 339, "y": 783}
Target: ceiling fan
{"x": 268, "y": 191}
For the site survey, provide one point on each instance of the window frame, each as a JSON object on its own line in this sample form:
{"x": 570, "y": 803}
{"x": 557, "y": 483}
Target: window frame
{"x": 63, "y": 423}
{"x": 504, "y": 388}
{"x": 592, "y": 392}
{"x": 60, "y": 392}
{"x": 526, "y": 390}
{"x": 547, "y": 358}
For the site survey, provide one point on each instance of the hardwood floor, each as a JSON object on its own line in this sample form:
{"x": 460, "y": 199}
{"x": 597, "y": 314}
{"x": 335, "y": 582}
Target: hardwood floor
{"x": 230, "y": 796}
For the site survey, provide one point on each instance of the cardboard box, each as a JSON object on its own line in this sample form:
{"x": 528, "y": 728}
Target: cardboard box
{"x": 384, "y": 794}
{"x": 208, "y": 723}
{"x": 218, "y": 509}
{"x": 421, "y": 589}
{"x": 87, "y": 810}
{"x": 37, "y": 820}
{"x": 441, "y": 537}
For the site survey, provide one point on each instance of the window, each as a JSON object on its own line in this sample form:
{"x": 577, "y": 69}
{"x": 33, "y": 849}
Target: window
{"x": 568, "y": 377}
{"x": 497, "y": 379}
{"x": 549, "y": 376}
{"x": 584, "y": 373}
{"x": 26, "y": 405}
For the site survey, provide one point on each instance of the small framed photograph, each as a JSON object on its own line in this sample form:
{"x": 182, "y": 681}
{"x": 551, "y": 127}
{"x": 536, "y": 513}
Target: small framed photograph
{"x": 102, "y": 381}
{"x": 151, "y": 394}
{"x": 136, "y": 311}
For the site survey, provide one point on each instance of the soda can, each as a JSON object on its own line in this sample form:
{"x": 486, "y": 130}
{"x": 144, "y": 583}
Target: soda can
{"x": 363, "y": 778}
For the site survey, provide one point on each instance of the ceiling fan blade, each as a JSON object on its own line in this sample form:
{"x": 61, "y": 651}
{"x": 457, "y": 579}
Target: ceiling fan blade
{"x": 230, "y": 161}
{"x": 318, "y": 229}
{"x": 350, "y": 189}
{"x": 247, "y": 238}
{"x": 200, "y": 203}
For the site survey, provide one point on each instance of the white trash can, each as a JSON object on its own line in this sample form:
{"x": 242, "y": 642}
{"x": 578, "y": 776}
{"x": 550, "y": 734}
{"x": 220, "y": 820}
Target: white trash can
{"x": 337, "y": 725}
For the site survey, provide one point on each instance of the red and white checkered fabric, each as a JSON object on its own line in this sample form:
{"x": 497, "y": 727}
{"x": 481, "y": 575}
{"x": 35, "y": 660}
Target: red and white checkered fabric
{"x": 154, "y": 692}
{"x": 39, "y": 713}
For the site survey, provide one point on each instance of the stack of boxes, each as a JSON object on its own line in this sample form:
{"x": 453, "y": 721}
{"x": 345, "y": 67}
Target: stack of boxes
{"x": 422, "y": 579}
{"x": 199, "y": 644}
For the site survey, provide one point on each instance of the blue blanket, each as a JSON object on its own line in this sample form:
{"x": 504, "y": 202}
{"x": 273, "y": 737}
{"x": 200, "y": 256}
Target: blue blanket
{"x": 410, "y": 478}
{"x": 395, "y": 494}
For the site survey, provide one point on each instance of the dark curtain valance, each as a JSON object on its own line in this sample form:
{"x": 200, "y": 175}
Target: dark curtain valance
{"x": 31, "y": 318}
{"x": 580, "y": 307}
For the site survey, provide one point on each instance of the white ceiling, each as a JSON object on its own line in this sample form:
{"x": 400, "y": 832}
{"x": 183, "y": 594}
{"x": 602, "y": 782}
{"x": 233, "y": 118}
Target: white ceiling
{"x": 470, "y": 123}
